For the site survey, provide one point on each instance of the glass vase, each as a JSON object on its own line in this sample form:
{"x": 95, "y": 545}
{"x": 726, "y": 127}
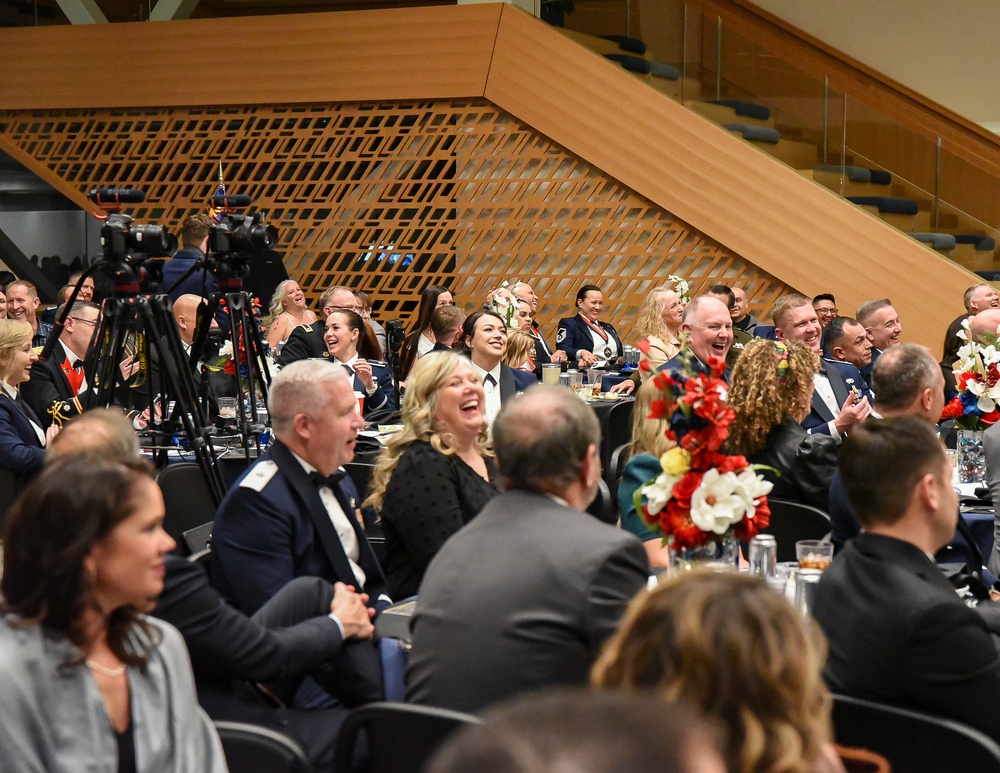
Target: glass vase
{"x": 717, "y": 554}
{"x": 969, "y": 457}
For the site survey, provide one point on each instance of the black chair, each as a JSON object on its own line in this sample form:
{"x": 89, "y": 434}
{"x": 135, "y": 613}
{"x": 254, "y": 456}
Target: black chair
{"x": 187, "y": 499}
{"x": 615, "y": 467}
{"x": 791, "y": 521}
{"x": 603, "y": 507}
{"x": 361, "y": 474}
{"x": 8, "y": 493}
{"x": 198, "y": 538}
{"x": 401, "y": 736}
{"x": 913, "y": 742}
{"x": 250, "y": 749}
{"x": 617, "y": 429}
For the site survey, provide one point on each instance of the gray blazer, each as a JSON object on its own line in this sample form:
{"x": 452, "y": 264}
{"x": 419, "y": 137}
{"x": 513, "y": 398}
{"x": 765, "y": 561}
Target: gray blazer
{"x": 54, "y": 718}
{"x": 520, "y": 598}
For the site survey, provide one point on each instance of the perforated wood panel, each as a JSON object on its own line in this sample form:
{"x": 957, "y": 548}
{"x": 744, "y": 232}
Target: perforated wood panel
{"x": 393, "y": 196}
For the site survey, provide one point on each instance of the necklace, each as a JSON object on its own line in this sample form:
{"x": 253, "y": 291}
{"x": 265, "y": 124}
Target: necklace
{"x": 109, "y": 672}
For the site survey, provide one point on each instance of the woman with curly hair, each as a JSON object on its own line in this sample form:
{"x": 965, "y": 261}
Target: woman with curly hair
{"x": 771, "y": 393}
{"x": 737, "y": 650}
{"x": 288, "y": 311}
{"x": 437, "y": 473}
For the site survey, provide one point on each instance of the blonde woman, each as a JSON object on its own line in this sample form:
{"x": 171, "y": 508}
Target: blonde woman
{"x": 22, "y": 439}
{"x": 732, "y": 647}
{"x": 436, "y": 474}
{"x": 520, "y": 351}
{"x": 649, "y": 443}
{"x": 659, "y": 324}
{"x": 771, "y": 393}
{"x": 288, "y": 311}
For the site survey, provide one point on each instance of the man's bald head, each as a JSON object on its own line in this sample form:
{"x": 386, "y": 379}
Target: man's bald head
{"x": 186, "y": 316}
{"x": 985, "y": 323}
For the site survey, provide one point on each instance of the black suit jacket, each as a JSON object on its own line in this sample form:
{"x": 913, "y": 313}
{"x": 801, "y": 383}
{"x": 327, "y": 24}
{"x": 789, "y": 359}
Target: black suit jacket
{"x": 20, "y": 450}
{"x": 305, "y": 341}
{"x": 843, "y": 378}
{"x": 49, "y": 393}
{"x": 513, "y": 381}
{"x": 521, "y": 598}
{"x": 899, "y": 634}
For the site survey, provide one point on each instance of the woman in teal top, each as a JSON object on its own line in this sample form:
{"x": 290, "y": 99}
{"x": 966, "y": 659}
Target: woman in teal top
{"x": 649, "y": 442}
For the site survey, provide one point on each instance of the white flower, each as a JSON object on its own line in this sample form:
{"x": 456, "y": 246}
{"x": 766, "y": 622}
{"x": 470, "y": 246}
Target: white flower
{"x": 985, "y": 404}
{"x": 750, "y": 486}
{"x": 681, "y": 287}
{"x": 717, "y": 504}
{"x": 226, "y": 350}
{"x": 658, "y": 492}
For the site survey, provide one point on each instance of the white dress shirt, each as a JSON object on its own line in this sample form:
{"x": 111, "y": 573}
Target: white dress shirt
{"x": 492, "y": 391}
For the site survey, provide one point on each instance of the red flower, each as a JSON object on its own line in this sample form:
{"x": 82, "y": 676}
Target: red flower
{"x": 659, "y": 409}
{"x": 643, "y": 346}
{"x": 953, "y": 409}
{"x": 991, "y": 418}
{"x": 684, "y": 489}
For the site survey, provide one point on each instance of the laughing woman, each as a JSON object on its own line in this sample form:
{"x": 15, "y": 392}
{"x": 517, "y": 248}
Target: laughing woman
{"x": 484, "y": 340}
{"x": 288, "y": 311}
{"x": 87, "y": 681}
{"x": 22, "y": 439}
{"x": 344, "y": 331}
{"x": 436, "y": 474}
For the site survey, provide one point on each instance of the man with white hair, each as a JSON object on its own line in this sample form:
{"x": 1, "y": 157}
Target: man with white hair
{"x": 291, "y": 515}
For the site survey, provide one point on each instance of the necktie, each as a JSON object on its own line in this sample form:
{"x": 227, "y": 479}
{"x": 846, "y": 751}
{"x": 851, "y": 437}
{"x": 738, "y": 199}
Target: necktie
{"x": 330, "y": 481}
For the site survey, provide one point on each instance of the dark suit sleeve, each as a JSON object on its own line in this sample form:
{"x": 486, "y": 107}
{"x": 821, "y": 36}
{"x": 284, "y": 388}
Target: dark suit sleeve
{"x": 252, "y": 547}
{"x": 384, "y": 396}
{"x": 620, "y": 577}
{"x": 297, "y": 347}
{"x": 959, "y": 667}
{"x": 40, "y": 391}
{"x": 16, "y": 454}
{"x": 228, "y": 644}
{"x": 569, "y": 340}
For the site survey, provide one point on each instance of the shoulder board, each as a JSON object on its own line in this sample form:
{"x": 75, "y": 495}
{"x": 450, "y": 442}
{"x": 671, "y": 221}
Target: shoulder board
{"x": 307, "y": 328}
{"x": 378, "y": 363}
{"x": 259, "y": 476}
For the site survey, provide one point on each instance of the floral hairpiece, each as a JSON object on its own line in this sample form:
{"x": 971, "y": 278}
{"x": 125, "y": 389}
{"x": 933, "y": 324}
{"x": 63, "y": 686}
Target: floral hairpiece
{"x": 681, "y": 287}
{"x": 782, "y": 349}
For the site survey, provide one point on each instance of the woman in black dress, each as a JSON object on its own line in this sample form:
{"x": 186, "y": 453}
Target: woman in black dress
{"x": 435, "y": 474}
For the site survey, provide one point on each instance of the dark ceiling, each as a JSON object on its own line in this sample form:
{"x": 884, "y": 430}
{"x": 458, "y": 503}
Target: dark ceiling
{"x": 31, "y": 13}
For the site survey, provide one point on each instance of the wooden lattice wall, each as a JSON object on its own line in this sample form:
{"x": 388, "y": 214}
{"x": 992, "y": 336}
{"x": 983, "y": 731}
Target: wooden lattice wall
{"x": 393, "y": 196}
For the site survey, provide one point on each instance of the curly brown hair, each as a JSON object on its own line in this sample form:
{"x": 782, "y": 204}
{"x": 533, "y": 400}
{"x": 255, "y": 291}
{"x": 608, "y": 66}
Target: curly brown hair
{"x": 731, "y": 646}
{"x": 764, "y": 391}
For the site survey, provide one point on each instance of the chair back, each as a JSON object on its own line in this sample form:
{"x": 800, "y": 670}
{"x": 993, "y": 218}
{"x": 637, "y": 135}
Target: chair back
{"x": 251, "y": 748}
{"x": 910, "y": 740}
{"x": 618, "y": 429}
{"x": 792, "y": 521}
{"x": 615, "y": 468}
{"x": 401, "y": 736}
{"x": 187, "y": 499}
{"x": 603, "y": 507}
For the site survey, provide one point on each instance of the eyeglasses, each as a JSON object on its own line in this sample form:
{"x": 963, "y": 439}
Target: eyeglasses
{"x": 828, "y": 312}
{"x": 88, "y": 321}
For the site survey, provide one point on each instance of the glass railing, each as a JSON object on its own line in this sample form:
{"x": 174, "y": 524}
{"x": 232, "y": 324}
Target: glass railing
{"x": 951, "y": 170}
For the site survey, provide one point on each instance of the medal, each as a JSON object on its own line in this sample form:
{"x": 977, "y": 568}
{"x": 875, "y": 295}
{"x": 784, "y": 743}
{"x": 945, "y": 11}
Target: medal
{"x": 607, "y": 351}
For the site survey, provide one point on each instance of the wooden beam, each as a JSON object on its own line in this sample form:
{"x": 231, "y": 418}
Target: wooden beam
{"x": 418, "y": 53}
{"x": 796, "y": 230}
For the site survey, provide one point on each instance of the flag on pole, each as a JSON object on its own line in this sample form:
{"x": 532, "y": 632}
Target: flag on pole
{"x": 221, "y": 191}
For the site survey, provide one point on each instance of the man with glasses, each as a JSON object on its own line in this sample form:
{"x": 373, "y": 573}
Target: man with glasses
{"x": 826, "y": 309}
{"x": 365, "y": 310}
{"x": 58, "y": 388}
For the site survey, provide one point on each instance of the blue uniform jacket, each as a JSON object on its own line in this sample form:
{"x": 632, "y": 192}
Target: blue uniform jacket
{"x": 574, "y": 336}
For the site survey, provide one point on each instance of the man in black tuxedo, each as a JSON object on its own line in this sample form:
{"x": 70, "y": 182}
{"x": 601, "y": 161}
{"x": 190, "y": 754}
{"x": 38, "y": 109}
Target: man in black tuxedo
{"x": 524, "y": 595}
{"x": 841, "y": 397}
{"x": 58, "y": 388}
{"x": 897, "y": 631}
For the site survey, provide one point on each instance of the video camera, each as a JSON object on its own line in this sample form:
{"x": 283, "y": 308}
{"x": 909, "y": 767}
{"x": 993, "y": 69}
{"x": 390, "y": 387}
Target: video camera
{"x": 129, "y": 248}
{"x": 239, "y": 233}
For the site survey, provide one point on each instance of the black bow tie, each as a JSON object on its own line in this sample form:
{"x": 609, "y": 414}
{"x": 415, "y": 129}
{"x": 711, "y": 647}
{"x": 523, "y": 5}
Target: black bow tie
{"x": 330, "y": 481}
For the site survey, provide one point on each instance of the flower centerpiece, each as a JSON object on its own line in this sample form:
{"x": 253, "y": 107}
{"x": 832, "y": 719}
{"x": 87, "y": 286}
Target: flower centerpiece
{"x": 704, "y": 499}
{"x": 503, "y": 303}
{"x": 681, "y": 287}
{"x": 975, "y": 407}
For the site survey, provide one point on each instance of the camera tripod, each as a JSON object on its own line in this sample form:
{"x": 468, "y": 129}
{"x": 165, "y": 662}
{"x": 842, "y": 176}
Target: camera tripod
{"x": 142, "y": 326}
